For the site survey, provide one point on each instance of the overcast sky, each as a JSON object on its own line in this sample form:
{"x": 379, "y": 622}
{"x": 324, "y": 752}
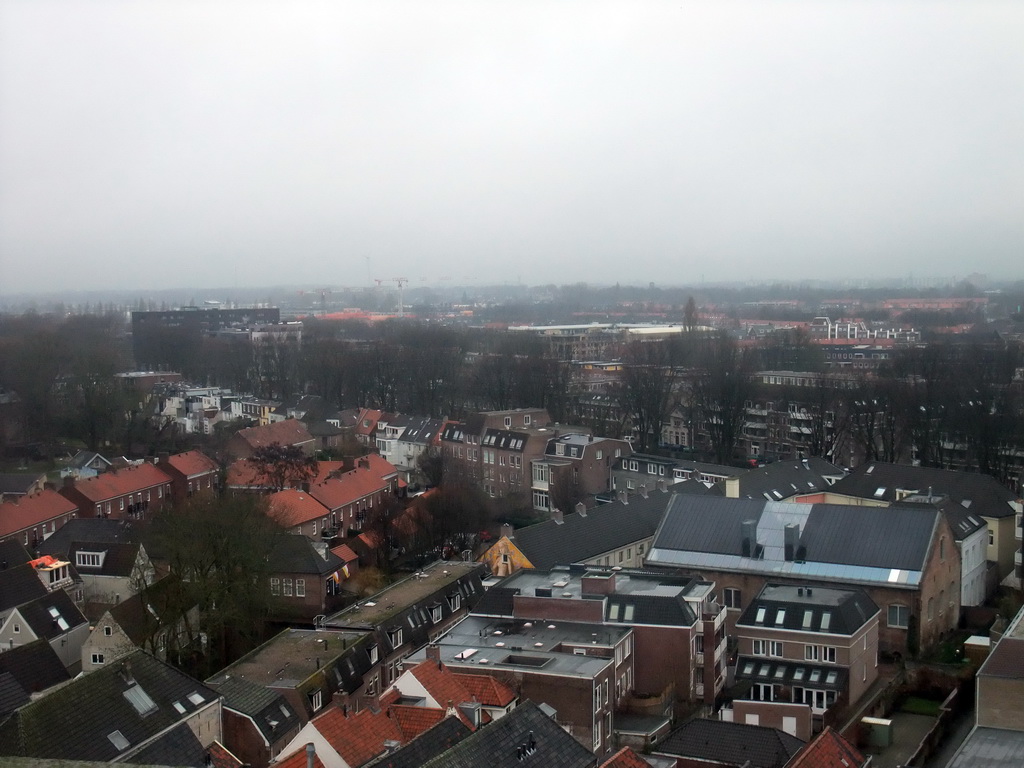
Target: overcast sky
{"x": 214, "y": 143}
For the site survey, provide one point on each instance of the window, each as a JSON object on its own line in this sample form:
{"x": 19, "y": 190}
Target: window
{"x": 931, "y": 608}
{"x": 17, "y": 629}
{"x": 395, "y": 637}
{"x": 316, "y": 700}
{"x": 508, "y": 421}
{"x": 97, "y": 658}
{"x": 373, "y": 653}
{"x": 991, "y": 537}
{"x": 731, "y": 597}
{"x": 454, "y": 602}
{"x": 599, "y": 455}
{"x": 435, "y": 614}
{"x": 597, "y": 735}
{"x": 826, "y": 653}
{"x": 107, "y": 632}
{"x": 89, "y": 559}
{"x": 287, "y": 584}
{"x": 300, "y": 587}
{"x": 768, "y": 648}
{"x": 275, "y": 587}
{"x": 762, "y": 692}
{"x": 899, "y": 616}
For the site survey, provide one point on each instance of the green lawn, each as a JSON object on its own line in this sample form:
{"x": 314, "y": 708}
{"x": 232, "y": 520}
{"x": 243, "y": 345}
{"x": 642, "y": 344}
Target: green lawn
{"x": 915, "y": 705}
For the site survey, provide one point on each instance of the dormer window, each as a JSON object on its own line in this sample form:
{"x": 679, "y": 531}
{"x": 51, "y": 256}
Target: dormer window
{"x": 454, "y": 602}
{"x": 89, "y": 559}
{"x": 508, "y": 421}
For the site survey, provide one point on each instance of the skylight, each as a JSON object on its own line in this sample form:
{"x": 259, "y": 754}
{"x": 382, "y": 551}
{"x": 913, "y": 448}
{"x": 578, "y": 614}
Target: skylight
{"x": 826, "y": 621}
{"x": 139, "y": 699}
{"x": 760, "y": 615}
{"x": 179, "y": 707}
{"x": 118, "y": 740}
{"x": 880, "y": 492}
{"x": 196, "y": 698}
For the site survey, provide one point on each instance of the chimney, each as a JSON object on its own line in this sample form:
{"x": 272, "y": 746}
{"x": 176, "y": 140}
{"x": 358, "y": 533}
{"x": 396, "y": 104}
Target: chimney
{"x": 305, "y": 487}
{"x": 162, "y": 457}
{"x": 581, "y": 509}
{"x": 507, "y": 531}
{"x": 643, "y": 491}
{"x": 623, "y": 497}
{"x": 662, "y": 485}
{"x": 732, "y": 487}
{"x": 310, "y": 754}
{"x": 597, "y": 584}
{"x": 434, "y": 652}
{"x": 69, "y": 481}
{"x": 556, "y": 515}
{"x": 748, "y": 546}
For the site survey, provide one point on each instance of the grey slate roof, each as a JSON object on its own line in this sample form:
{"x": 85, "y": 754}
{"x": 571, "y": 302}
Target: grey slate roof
{"x": 580, "y": 537}
{"x": 19, "y": 585}
{"x": 421, "y": 431}
{"x": 35, "y": 666}
{"x": 836, "y": 542}
{"x": 495, "y": 745}
{"x": 86, "y": 529}
{"x": 12, "y": 695}
{"x": 981, "y": 494}
{"x": 178, "y": 747}
{"x": 782, "y": 479}
{"x": 119, "y": 557}
{"x": 428, "y": 745}
{"x": 962, "y": 521}
{"x": 804, "y": 609}
{"x": 12, "y": 553}
{"x": 828, "y": 677}
{"x": 91, "y": 708}
{"x": 39, "y": 614}
{"x": 271, "y": 713}
{"x": 17, "y": 483}
{"x": 731, "y": 743}
{"x": 296, "y": 554}
{"x": 990, "y": 748}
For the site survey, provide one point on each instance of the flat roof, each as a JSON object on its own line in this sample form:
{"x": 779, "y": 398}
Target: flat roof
{"x": 292, "y": 656}
{"x": 569, "y": 584}
{"x": 409, "y": 591}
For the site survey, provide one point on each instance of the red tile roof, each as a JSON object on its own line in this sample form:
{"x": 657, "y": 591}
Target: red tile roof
{"x": 290, "y": 508}
{"x": 220, "y": 757}
{"x": 367, "y": 415}
{"x": 625, "y": 758}
{"x": 350, "y": 487}
{"x": 357, "y": 738}
{"x": 26, "y": 511}
{"x": 242, "y": 474}
{"x": 412, "y": 720}
{"x": 378, "y": 465}
{"x": 110, "y": 485}
{"x": 344, "y": 551}
{"x": 288, "y": 432}
{"x": 298, "y": 760}
{"x": 828, "y": 750}
{"x": 487, "y": 690}
{"x": 192, "y": 463}
{"x": 443, "y": 686}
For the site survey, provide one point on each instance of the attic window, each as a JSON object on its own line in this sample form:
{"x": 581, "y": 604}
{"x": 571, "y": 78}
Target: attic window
{"x": 760, "y": 615}
{"x": 139, "y": 699}
{"x": 808, "y": 615}
{"x": 179, "y": 707}
{"x": 89, "y": 559}
{"x": 196, "y": 698}
{"x": 880, "y": 492}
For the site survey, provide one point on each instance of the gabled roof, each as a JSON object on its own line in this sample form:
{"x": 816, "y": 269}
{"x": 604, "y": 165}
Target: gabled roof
{"x": 809, "y": 609}
{"x": 86, "y": 530}
{"x": 106, "y": 713}
{"x": 731, "y": 744}
{"x": 429, "y": 744}
{"x": 352, "y": 486}
{"x": 601, "y": 529}
{"x": 12, "y": 695}
{"x": 367, "y": 420}
{"x": 269, "y": 710}
{"x": 497, "y": 744}
{"x": 26, "y": 511}
{"x": 344, "y": 553}
{"x": 35, "y": 666}
{"x": 179, "y": 746}
{"x": 828, "y": 750}
{"x": 12, "y": 553}
{"x": 981, "y": 494}
{"x": 119, "y": 557}
{"x": 142, "y": 614}
{"x": 192, "y": 463}
{"x": 445, "y": 685}
{"x": 82, "y": 459}
{"x": 111, "y": 485}
{"x": 297, "y": 554}
{"x": 360, "y": 737}
{"x": 422, "y": 431}
{"x": 290, "y": 508}
{"x": 51, "y": 615}
{"x": 287, "y": 432}
{"x": 18, "y": 483}
{"x": 19, "y": 585}
{"x": 836, "y": 542}
{"x": 487, "y": 690}
{"x": 783, "y": 479}
{"x": 962, "y": 521}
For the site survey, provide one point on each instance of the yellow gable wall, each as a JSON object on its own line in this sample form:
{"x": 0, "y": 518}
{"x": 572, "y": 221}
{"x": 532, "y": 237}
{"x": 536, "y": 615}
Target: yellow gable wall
{"x": 503, "y": 566}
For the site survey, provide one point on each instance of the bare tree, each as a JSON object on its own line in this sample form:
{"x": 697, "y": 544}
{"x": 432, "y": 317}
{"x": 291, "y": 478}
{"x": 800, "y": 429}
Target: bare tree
{"x": 282, "y": 466}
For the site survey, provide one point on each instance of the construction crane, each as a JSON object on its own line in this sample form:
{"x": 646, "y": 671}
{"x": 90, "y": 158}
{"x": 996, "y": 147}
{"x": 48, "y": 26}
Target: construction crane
{"x": 400, "y": 282}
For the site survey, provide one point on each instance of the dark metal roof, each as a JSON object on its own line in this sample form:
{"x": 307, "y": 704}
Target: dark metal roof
{"x": 19, "y": 585}
{"x": 428, "y": 745}
{"x": 981, "y": 494}
{"x": 731, "y": 744}
{"x": 496, "y": 745}
{"x": 809, "y": 609}
{"x": 35, "y": 666}
{"x": 178, "y": 747}
{"x": 783, "y": 479}
{"x": 826, "y": 677}
{"x": 601, "y": 529}
{"x": 271, "y": 713}
{"x": 52, "y": 615}
{"x": 86, "y": 529}
{"x": 297, "y": 554}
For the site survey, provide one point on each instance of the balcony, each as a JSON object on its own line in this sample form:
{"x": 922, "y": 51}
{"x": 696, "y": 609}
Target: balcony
{"x": 698, "y": 658}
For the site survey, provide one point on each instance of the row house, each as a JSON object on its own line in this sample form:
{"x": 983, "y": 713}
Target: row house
{"x": 679, "y": 629}
{"x": 190, "y": 472}
{"x": 575, "y": 466}
{"x": 803, "y": 649}
{"x": 305, "y": 579}
{"x": 577, "y": 668}
{"x": 402, "y": 440}
{"x": 132, "y": 493}
{"x": 413, "y": 612}
{"x": 289, "y": 432}
{"x": 255, "y": 409}
{"x": 351, "y": 498}
{"x": 52, "y": 617}
{"x": 904, "y": 557}
{"x": 36, "y": 516}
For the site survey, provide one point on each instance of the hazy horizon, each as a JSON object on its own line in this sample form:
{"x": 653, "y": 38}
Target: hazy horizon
{"x": 175, "y": 144}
